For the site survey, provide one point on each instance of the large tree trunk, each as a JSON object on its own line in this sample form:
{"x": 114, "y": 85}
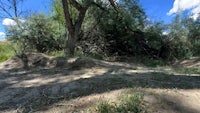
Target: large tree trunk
{"x": 73, "y": 27}
{"x": 70, "y": 45}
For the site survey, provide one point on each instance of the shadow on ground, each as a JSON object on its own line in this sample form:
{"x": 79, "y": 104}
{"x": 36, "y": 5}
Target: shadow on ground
{"x": 39, "y": 89}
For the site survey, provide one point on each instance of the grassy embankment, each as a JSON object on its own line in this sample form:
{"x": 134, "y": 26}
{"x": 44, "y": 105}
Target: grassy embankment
{"x": 6, "y": 51}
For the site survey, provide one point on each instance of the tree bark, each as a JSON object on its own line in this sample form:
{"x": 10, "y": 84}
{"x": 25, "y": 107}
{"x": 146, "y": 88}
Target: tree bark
{"x": 74, "y": 28}
{"x": 70, "y": 44}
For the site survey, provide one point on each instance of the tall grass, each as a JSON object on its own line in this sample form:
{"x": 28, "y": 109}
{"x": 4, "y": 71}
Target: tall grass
{"x": 6, "y": 51}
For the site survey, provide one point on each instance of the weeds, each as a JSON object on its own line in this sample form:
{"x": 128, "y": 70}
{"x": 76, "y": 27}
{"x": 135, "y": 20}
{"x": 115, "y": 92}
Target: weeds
{"x": 129, "y": 103}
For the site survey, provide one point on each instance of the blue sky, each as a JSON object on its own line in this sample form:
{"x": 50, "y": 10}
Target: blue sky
{"x": 34, "y": 6}
{"x": 156, "y": 10}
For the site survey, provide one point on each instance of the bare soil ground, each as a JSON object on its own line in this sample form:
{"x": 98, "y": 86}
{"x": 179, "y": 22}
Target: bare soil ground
{"x": 61, "y": 85}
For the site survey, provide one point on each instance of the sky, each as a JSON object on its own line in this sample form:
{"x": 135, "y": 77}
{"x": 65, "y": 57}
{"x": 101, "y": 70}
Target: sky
{"x": 156, "y": 10}
{"x": 28, "y": 6}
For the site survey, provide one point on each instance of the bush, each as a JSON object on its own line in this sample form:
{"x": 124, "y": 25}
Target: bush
{"x": 106, "y": 33}
{"x": 6, "y": 51}
{"x": 39, "y": 33}
{"x": 193, "y": 35}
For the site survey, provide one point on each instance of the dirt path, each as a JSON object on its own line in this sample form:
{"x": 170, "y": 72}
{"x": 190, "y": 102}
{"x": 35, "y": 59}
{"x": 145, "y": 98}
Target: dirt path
{"x": 70, "y": 89}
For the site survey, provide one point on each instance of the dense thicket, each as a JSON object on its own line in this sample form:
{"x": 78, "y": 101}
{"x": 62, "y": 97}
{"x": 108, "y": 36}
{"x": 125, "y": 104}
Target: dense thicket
{"x": 106, "y": 31}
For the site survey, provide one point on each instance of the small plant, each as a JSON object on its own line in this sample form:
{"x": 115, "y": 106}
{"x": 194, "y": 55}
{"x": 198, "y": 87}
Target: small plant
{"x": 131, "y": 103}
{"x": 105, "y": 107}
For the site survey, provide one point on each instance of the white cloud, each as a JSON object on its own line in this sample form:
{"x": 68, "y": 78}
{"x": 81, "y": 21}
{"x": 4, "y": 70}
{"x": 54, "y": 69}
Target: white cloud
{"x": 2, "y": 36}
{"x": 196, "y": 12}
{"x": 11, "y": 22}
{"x": 182, "y": 5}
{"x": 165, "y": 32}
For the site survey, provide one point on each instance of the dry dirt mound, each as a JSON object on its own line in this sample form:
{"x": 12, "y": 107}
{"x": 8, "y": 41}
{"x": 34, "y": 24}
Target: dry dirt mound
{"x": 190, "y": 63}
{"x": 30, "y": 59}
{"x": 42, "y": 60}
{"x": 84, "y": 62}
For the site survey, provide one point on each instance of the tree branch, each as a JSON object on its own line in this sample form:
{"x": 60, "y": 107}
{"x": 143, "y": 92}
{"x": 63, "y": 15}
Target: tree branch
{"x": 80, "y": 18}
{"x": 99, "y": 6}
{"x": 68, "y": 19}
{"x": 113, "y": 5}
{"x": 10, "y": 8}
{"x": 76, "y": 5}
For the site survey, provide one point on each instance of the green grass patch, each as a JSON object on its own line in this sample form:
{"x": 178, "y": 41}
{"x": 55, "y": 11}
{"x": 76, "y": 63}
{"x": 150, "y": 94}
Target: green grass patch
{"x": 57, "y": 53}
{"x": 128, "y": 103}
{"x": 6, "y": 51}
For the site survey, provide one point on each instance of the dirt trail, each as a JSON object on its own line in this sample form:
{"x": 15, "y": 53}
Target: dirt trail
{"x": 81, "y": 82}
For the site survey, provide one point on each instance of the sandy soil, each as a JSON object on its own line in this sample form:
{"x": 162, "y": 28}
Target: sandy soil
{"x": 72, "y": 85}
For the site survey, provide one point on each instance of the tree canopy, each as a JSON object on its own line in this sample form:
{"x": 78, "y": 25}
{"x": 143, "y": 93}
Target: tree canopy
{"x": 107, "y": 28}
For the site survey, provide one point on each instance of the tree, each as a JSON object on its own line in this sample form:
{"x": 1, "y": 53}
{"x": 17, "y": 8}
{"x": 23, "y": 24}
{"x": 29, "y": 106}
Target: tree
{"x": 58, "y": 13}
{"x": 39, "y": 33}
{"x": 74, "y": 26}
{"x": 120, "y": 28}
{"x": 9, "y": 8}
{"x": 193, "y": 27}
{"x": 176, "y": 44}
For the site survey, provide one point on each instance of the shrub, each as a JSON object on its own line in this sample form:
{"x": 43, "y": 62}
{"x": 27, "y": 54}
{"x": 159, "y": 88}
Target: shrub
{"x": 38, "y": 32}
{"x": 6, "y": 51}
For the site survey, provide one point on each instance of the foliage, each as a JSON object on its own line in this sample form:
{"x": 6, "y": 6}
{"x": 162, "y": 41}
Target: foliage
{"x": 154, "y": 34}
{"x": 39, "y": 33}
{"x": 128, "y": 32}
{"x": 58, "y": 11}
{"x": 177, "y": 40}
{"x": 6, "y": 51}
{"x": 193, "y": 35}
{"x": 108, "y": 32}
{"x": 173, "y": 45}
